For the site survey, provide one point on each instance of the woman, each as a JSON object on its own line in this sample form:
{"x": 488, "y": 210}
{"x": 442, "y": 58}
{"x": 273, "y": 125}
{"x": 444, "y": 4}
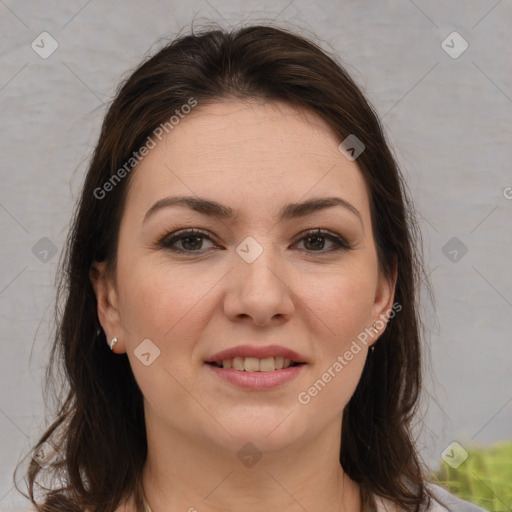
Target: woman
{"x": 240, "y": 326}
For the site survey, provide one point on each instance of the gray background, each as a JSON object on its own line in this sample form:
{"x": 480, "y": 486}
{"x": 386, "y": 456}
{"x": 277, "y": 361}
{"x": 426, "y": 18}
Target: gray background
{"x": 449, "y": 121}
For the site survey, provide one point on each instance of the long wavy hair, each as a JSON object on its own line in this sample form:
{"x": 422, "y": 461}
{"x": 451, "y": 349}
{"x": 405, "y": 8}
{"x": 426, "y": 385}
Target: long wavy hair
{"x": 98, "y": 432}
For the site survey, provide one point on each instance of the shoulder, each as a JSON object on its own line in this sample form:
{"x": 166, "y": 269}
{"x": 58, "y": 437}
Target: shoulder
{"x": 443, "y": 501}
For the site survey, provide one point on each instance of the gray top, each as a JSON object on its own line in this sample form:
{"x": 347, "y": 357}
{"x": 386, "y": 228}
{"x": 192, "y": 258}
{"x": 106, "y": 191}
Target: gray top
{"x": 443, "y": 501}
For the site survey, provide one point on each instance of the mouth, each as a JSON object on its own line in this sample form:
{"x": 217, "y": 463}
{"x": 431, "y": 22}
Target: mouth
{"x": 254, "y": 364}
{"x": 257, "y": 367}
{"x": 254, "y": 374}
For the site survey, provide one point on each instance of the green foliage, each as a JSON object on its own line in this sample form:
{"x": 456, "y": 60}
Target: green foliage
{"x": 484, "y": 478}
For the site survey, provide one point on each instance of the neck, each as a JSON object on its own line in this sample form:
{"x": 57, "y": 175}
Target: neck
{"x": 191, "y": 475}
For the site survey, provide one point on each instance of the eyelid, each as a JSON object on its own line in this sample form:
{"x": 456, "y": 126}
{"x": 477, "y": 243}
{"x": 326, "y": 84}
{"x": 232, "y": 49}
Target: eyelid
{"x": 339, "y": 241}
{"x": 165, "y": 240}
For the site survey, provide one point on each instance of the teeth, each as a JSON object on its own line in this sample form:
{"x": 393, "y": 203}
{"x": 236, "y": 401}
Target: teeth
{"x": 266, "y": 365}
{"x": 238, "y": 363}
{"x": 253, "y": 364}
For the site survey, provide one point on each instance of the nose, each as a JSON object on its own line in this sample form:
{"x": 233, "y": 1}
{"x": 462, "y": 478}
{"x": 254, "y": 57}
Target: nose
{"x": 260, "y": 287}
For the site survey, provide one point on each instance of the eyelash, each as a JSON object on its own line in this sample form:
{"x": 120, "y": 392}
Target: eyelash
{"x": 168, "y": 240}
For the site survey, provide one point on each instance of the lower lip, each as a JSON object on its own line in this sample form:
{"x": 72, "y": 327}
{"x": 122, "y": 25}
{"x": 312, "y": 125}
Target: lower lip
{"x": 257, "y": 380}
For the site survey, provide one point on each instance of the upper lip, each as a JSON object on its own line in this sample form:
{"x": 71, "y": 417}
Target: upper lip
{"x": 259, "y": 352}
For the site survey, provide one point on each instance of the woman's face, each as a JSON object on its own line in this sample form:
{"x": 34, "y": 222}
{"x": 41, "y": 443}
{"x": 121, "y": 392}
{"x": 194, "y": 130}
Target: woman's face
{"x": 252, "y": 282}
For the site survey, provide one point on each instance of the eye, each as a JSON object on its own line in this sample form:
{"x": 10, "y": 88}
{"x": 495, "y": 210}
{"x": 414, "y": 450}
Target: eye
{"x": 316, "y": 235}
{"x": 191, "y": 241}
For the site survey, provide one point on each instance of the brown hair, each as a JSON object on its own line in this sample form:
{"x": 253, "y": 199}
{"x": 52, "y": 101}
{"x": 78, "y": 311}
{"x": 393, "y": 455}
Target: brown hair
{"x": 102, "y": 412}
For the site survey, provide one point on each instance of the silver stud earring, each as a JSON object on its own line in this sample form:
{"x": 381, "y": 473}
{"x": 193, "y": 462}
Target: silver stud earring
{"x": 113, "y": 341}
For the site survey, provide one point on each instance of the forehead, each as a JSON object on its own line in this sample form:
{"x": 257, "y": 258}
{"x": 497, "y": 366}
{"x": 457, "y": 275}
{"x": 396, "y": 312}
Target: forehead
{"x": 246, "y": 154}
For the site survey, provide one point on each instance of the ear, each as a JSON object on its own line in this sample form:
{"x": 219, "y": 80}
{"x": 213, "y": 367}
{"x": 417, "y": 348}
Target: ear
{"x": 384, "y": 296}
{"x": 107, "y": 301}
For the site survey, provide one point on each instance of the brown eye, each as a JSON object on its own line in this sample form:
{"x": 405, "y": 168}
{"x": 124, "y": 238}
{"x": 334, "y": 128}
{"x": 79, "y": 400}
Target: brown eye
{"x": 315, "y": 241}
{"x": 191, "y": 241}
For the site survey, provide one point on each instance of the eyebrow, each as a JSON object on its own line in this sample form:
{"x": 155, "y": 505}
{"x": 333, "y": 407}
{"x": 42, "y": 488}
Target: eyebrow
{"x": 215, "y": 209}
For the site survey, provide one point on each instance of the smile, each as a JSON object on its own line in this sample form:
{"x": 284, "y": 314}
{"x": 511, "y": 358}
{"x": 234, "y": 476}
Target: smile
{"x": 256, "y": 378}
{"x": 253, "y": 364}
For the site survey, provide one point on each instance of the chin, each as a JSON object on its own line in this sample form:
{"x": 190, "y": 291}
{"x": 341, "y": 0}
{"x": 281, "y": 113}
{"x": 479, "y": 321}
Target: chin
{"x": 268, "y": 433}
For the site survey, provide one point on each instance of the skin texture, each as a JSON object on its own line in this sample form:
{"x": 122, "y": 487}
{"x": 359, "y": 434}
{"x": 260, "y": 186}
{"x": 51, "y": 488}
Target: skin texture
{"x": 254, "y": 157}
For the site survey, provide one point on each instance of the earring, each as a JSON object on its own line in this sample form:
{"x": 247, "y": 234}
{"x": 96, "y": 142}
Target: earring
{"x": 372, "y": 348}
{"x": 113, "y": 341}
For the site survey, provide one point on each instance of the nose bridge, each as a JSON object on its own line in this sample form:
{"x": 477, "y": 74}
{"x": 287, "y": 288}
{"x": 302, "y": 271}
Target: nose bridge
{"x": 258, "y": 258}
{"x": 261, "y": 290}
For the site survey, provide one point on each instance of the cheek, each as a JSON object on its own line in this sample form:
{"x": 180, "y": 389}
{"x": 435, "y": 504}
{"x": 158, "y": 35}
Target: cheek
{"x": 331, "y": 387}
{"x": 341, "y": 314}
{"x": 162, "y": 302}
{"x": 341, "y": 303}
